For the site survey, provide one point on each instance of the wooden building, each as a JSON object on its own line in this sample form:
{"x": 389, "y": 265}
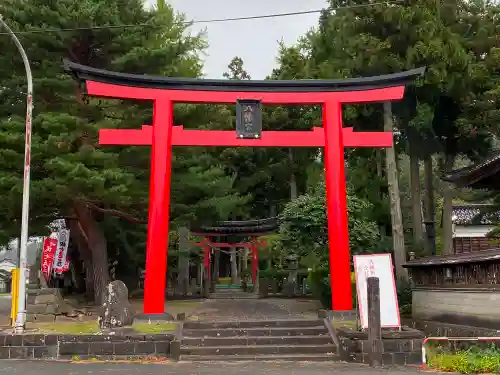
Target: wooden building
{"x": 463, "y": 288}
{"x": 472, "y": 223}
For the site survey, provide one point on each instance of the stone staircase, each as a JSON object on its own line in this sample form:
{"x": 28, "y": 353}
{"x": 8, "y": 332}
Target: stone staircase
{"x": 232, "y": 293}
{"x": 292, "y": 340}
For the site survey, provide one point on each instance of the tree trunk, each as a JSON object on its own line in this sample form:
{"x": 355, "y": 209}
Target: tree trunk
{"x": 293, "y": 178}
{"x": 80, "y": 238}
{"x": 379, "y": 159}
{"x": 216, "y": 266}
{"x": 416, "y": 202}
{"x": 244, "y": 270}
{"x": 240, "y": 264}
{"x": 447, "y": 208}
{"x": 234, "y": 266}
{"x": 430, "y": 210}
{"x": 395, "y": 202}
{"x": 245, "y": 259}
{"x": 97, "y": 244}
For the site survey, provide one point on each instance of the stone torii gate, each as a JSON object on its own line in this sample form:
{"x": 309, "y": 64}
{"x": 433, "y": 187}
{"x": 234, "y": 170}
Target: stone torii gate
{"x": 248, "y": 95}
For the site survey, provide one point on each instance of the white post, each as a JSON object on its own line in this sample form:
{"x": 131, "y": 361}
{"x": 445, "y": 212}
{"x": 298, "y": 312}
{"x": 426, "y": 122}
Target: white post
{"x": 21, "y": 302}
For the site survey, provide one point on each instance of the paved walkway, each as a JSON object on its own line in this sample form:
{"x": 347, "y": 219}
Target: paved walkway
{"x": 245, "y": 368}
{"x": 255, "y": 309}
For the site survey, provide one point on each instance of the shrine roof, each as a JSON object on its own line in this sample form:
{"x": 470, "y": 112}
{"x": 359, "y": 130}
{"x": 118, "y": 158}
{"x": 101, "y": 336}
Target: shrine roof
{"x": 483, "y": 175}
{"x": 86, "y": 73}
{"x": 239, "y": 228}
{"x": 476, "y": 214}
{"x": 492, "y": 255}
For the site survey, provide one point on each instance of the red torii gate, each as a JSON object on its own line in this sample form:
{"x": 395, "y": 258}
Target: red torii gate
{"x": 253, "y": 245}
{"x": 162, "y": 135}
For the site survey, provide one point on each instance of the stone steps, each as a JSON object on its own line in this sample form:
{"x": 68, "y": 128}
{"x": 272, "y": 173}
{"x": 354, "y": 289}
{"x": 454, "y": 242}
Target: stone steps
{"x": 256, "y": 349}
{"x": 283, "y": 323}
{"x": 301, "y": 339}
{"x": 233, "y": 295}
{"x": 256, "y": 340}
{"x": 264, "y": 357}
{"x": 257, "y": 332}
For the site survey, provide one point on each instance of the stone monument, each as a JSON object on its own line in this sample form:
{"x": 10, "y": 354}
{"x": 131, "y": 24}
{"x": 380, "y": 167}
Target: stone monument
{"x": 116, "y": 310}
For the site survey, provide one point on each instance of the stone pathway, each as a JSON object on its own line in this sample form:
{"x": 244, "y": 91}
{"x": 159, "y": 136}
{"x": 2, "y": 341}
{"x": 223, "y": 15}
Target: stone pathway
{"x": 255, "y": 309}
{"x": 213, "y": 310}
{"x": 214, "y": 368}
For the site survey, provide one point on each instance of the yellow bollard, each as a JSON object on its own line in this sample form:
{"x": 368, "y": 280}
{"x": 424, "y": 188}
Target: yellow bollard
{"x": 14, "y": 296}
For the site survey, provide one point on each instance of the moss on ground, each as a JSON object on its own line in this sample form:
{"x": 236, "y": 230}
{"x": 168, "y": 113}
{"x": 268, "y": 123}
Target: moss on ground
{"x": 344, "y": 324}
{"x": 88, "y": 328}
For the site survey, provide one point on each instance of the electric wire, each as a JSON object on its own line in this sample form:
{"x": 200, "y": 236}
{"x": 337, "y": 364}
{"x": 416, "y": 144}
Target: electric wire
{"x": 208, "y": 21}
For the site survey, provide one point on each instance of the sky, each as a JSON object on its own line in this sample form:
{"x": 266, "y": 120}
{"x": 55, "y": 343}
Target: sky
{"x": 255, "y": 41}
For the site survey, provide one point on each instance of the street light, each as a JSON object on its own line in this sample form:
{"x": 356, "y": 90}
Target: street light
{"x": 21, "y": 301}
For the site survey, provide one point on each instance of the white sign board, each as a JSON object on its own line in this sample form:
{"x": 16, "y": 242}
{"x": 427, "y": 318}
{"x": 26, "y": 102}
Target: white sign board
{"x": 377, "y": 265}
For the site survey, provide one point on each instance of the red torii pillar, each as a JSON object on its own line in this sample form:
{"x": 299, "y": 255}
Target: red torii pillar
{"x": 162, "y": 135}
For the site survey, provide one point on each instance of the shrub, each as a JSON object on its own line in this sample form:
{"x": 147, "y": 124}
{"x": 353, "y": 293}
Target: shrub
{"x": 472, "y": 361}
{"x": 319, "y": 281}
{"x": 403, "y": 290}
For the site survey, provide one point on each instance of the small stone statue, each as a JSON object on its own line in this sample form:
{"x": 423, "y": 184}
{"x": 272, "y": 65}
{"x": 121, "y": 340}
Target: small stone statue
{"x": 116, "y": 310}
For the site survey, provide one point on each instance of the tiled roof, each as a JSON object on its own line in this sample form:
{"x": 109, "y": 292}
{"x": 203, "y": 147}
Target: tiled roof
{"x": 476, "y": 214}
{"x": 476, "y": 175}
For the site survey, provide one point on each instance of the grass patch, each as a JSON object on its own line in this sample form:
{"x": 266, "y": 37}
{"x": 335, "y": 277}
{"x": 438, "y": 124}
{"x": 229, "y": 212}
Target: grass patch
{"x": 77, "y": 328}
{"x": 89, "y": 328}
{"x": 344, "y": 324}
{"x": 153, "y": 328}
{"x": 472, "y": 361}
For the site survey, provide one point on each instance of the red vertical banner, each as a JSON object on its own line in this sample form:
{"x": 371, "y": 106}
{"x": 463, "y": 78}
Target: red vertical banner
{"x": 48, "y": 252}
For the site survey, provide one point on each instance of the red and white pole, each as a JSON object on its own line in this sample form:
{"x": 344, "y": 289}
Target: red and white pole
{"x": 21, "y": 302}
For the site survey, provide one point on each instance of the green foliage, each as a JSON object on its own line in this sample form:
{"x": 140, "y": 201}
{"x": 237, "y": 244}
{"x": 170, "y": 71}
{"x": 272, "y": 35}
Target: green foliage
{"x": 403, "y": 290}
{"x": 303, "y": 228}
{"x": 471, "y": 361}
{"x": 454, "y": 109}
{"x": 319, "y": 281}
{"x": 67, "y": 162}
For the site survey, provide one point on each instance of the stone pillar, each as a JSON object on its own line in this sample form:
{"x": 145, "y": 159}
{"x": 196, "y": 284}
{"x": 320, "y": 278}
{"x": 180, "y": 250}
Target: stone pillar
{"x": 199, "y": 274}
{"x": 234, "y": 266}
{"x": 245, "y": 259}
{"x": 215, "y": 278}
{"x": 183, "y": 261}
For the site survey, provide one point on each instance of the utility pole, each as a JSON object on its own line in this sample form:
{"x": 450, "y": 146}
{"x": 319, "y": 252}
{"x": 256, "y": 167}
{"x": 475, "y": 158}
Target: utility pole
{"x": 23, "y": 246}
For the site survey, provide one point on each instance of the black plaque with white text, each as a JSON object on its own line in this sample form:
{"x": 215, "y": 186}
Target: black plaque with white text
{"x": 248, "y": 119}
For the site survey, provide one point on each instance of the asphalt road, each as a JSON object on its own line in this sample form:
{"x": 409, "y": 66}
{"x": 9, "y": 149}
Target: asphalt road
{"x": 4, "y": 304}
{"x": 234, "y": 368}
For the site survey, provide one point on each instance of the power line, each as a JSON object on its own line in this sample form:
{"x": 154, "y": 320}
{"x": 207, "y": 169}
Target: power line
{"x": 215, "y": 20}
